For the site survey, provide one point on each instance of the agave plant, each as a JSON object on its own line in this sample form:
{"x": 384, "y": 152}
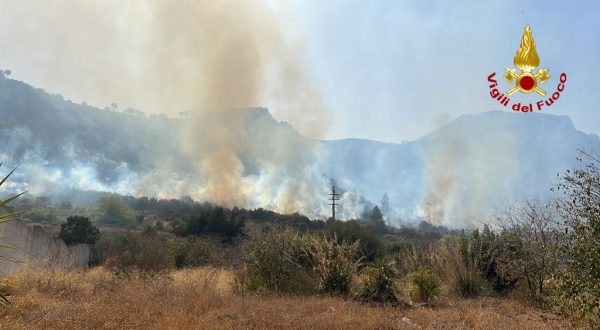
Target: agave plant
{"x": 4, "y": 218}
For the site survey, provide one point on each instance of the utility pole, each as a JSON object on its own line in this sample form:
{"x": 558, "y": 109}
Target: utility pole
{"x": 334, "y": 197}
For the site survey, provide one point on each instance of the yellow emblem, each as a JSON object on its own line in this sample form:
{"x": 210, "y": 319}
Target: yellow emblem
{"x": 526, "y": 60}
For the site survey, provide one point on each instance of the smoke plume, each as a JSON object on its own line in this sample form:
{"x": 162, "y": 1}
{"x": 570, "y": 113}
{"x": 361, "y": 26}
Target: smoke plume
{"x": 464, "y": 177}
{"x": 201, "y": 57}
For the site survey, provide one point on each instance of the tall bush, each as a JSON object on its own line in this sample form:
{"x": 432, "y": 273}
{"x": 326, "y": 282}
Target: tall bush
{"x": 527, "y": 246}
{"x": 280, "y": 262}
{"x": 459, "y": 262}
{"x": 113, "y": 211}
{"x": 424, "y": 285}
{"x": 336, "y": 263}
{"x": 192, "y": 252}
{"x": 139, "y": 252}
{"x": 371, "y": 246}
{"x": 579, "y": 285}
{"x": 378, "y": 282}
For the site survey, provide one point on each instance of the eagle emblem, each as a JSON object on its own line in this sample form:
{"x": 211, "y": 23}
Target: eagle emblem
{"x": 527, "y": 60}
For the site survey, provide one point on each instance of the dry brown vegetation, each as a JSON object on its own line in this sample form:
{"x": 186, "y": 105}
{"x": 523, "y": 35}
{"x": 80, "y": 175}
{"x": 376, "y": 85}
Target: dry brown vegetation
{"x": 205, "y": 298}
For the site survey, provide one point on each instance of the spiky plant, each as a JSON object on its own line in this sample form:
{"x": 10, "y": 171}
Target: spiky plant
{"x": 4, "y": 218}
{"x": 378, "y": 282}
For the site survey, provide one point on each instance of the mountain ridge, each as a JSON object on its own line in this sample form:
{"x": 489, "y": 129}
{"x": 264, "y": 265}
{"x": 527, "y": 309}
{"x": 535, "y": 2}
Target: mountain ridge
{"x": 512, "y": 154}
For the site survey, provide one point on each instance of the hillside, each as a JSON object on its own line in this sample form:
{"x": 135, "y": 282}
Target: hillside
{"x": 454, "y": 175}
{"x": 474, "y": 163}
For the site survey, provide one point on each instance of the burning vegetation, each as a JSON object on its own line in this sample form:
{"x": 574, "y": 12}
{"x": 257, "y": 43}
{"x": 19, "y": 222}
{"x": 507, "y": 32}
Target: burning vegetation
{"x": 532, "y": 253}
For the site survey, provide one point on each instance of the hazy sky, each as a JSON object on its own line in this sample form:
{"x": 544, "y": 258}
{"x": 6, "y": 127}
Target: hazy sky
{"x": 386, "y": 70}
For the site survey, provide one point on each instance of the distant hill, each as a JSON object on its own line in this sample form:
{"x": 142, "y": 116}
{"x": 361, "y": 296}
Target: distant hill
{"x": 455, "y": 175}
{"x": 470, "y": 166}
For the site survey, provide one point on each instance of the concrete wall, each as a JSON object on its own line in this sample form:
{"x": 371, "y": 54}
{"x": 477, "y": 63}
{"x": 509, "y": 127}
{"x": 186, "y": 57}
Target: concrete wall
{"x": 32, "y": 246}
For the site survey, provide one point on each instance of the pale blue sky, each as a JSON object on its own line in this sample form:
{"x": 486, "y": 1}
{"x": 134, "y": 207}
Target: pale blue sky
{"x": 387, "y": 70}
{"x": 395, "y": 70}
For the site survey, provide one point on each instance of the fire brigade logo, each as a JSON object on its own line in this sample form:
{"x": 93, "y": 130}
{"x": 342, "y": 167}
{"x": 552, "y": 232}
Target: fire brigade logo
{"x": 528, "y": 80}
{"x": 527, "y": 60}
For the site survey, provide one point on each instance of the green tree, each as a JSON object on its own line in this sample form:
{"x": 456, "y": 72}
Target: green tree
{"x": 487, "y": 256}
{"x": 228, "y": 226}
{"x": 215, "y": 221}
{"x": 371, "y": 246}
{"x": 77, "y": 230}
{"x": 112, "y": 210}
{"x": 376, "y": 222}
{"x": 376, "y": 214}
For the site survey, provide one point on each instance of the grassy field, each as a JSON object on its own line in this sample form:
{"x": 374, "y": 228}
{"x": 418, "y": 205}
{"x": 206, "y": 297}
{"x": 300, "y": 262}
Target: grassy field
{"x": 204, "y": 298}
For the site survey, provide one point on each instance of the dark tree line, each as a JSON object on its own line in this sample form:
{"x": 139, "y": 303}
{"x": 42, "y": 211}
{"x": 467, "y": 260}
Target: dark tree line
{"x": 227, "y": 223}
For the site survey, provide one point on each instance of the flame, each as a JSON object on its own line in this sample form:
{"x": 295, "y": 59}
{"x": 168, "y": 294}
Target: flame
{"x": 526, "y": 58}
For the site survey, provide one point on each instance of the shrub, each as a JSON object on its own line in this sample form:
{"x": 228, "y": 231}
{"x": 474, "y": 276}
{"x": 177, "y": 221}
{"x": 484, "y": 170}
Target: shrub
{"x": 459, "y": 263}
{"x": 578, "y": 287}
{"x": 113, "y": 211}
{"x": 192, "y": 252}
{"x": 78, "y": 230}
{"x": 487, "y": 247}
{"x": 410, "y": 257}
{"x": 104, "y": 247}
{"x": 159, "y": 226}
{"x": 280, "y": 262}
{"x": 527, "y": 246}
{"x": 371, "y": 246}
{"x": 336, "y": 265}
{"x": 378, "y": 282}
{"x": 140, "y": 252}
{"x": 424, "y": 285}
{"x": 41, "y": 214}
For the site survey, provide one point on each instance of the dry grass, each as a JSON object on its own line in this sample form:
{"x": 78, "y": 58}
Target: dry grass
{"x": 203, "y": 298}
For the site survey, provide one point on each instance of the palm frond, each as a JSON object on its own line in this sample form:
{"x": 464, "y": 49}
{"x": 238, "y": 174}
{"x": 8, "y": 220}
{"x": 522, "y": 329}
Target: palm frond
{"x": 8, "y": 200}
{"x": 9, "y": 216}
{"x": 4, "y": 302}
{"x": 8, "y": 175}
